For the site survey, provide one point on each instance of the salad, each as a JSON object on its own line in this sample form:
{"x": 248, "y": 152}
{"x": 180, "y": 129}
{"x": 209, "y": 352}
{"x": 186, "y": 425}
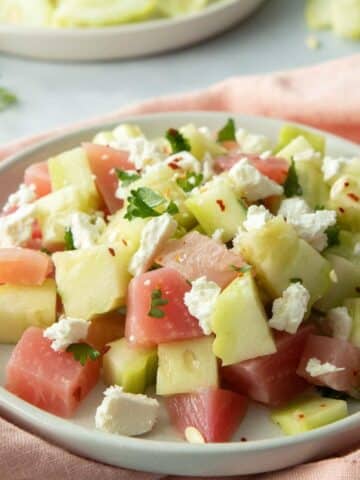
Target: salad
{"x": 90, "y": 13}
{"x": 214, "y": 268}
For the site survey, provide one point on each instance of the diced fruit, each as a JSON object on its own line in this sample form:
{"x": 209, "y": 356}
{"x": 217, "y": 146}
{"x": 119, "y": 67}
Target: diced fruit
{"x": 21, "y": 12}
{"x": 130, "y": 367}
{"x": 72, "y": 168}
{"x": 38, "y": 174}
{"x": 339, "y": 353}
{"x": 215, "y": 207}
{"x": 309, "y": 412}
{"x": 196, "y": 255}
{"x": 200, "y": 143}
{"x": 347, "y": 274}
{"x": 271, "y": 379}
{"x": 122, "y": 231}
{"x": 170, "y": 319}
{"x": 353, "y": 306}
{"x": 22, "y": 266}
{"x": 53, "y": 381}
{"x": 52, "y": 213}
{"x": 288, "y": 133}
{"x": 345, "y": 199}
{"x": 105, "y": 328}
{"x": 214, "y": 412}
{"x": 314, "y": 190}
{"x": 296, "y": 146}
{"x": 240, "y": 324}
{"x": 22, "y": 306}
{"x": 185, "y": 366}
{"x": 347, "y": 246}
{"x": 346, "y": 18}
{"x": 274, "y": 168}
{"x": 103, "y": 161}
{"x": 290, "y": 257}
{"x": 93, "y": 280}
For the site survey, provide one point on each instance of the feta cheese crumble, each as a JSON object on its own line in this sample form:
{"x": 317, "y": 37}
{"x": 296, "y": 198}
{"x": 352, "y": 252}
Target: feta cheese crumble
{"x": 153, "y": 237}
{"x": 208, "y": 167}
{"x": 252, "y": 143}
{"x": 200, "y": 301}
{"x": 315, "y": 368}
{"x": 86, "y": 230}
{"x": 293, "y": 208}
{"x": 126, "y": 413}
{"x": 257, "y": 216}
{"x": 249, "y": 182}
{"x": 66, "y": 331}
{"x": 24, "y": 195}
{"x": 142, "y": 152}
{"x": 332, "y": 166}
{"x": 16, "y": 228}
{"x": 340, "y": 322}
{"x": 289, "y": 310}
{"x": 185, "y": 161}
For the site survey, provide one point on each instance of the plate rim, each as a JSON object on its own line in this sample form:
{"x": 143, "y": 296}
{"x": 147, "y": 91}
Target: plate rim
{"x": 22, "y": 409}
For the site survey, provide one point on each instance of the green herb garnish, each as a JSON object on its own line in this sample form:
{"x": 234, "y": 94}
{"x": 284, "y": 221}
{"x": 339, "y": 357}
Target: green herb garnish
{"x": 69, "y": 239}
{"x": 177, "y": 141}
{"x": 190, "y": 181}
{"x": 7, "y": 98}
{"x": 296, "y": 280}
{"x": 227, "y": 132}
{"x": 126, "y": 177}
{"x": 331, "y": 393}
{"x": 82, "y": 352}
{"x": 143, "y": 201}
{"x": 243, "y": 269}
{"x": 333, "y": 235}
{"x": 157, "y": 301}
{"x": 292, "y": 187}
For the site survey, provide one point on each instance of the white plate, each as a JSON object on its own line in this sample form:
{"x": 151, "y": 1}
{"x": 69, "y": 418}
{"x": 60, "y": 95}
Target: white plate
{"x": 124, "y": 41}
{"x": 163, "y": 451}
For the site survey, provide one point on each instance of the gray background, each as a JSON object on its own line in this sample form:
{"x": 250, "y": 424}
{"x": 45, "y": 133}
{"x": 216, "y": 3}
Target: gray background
{"x": 54, "y": 94}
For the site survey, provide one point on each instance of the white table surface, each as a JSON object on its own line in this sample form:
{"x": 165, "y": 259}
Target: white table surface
{"x": 54, "y": 94}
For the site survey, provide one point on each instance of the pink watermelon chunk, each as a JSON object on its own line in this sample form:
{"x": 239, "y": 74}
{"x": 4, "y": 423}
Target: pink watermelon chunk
{"x": 38, "y": 175}
{"x": 337, "y": 352}
{"x": 53, "y": 381}
{"x": 196, "y": 255}
{"x": 174, "y": 322}
{"x": 271, "y": 379}
{"x": 103, "y": 162}
{"x": 215, "y": 412}
{"x": 22, "y": 266}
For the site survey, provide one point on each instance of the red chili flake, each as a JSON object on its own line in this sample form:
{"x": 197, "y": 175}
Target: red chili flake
{"x": 111, "y": 251}
{"x": 221, "y": 204}
{"x": 341, "y": 210}
{"x": 243, "y": 439}
{"x": 124, "y": 242}
{"x": 173, "y": 165}
{"x": 301, "y": 416}
{"x": 353, "y": 196}
{"x": 346, "y": 184}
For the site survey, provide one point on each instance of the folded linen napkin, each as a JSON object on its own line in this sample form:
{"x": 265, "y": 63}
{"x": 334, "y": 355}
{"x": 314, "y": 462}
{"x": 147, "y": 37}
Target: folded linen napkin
{"x": 326, "y": 96}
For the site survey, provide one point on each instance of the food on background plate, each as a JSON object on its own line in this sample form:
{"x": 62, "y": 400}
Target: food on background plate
{"x": 212, "y": 268}
{"x": 87, "y": 13}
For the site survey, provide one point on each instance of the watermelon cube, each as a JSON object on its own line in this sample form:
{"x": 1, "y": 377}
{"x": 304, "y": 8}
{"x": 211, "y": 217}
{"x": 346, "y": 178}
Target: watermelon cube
{"x": 214, "y": 412}
{"x": 53, "y": 381}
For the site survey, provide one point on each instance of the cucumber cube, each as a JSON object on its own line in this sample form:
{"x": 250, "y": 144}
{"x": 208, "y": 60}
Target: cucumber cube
{"x": 200, "y": 143}
{"x": 289, "y": 133}
{"x": 353, "y": 306}
{"x": 307, "y": 413}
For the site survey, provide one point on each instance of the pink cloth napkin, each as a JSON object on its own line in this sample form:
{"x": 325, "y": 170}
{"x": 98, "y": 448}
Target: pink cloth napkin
{"x": 326, "y": 96}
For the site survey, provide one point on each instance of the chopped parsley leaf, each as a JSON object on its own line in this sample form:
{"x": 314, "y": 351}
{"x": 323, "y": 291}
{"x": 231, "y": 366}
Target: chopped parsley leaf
{"x": 82, "y": 352}
{"x": 143, "y": 201}
{"x": 292, "y": 187}
{"x": 177, "y": 141}
{"x": 157, "y": 301}
{"x": 190, "y": 181}
{"x": 69, "y": 240}
{"x": 126, "y": 177}
{"x": 227, "y": 132}
{"x": 333, "y": 235}
{"x": 7, "y": 98}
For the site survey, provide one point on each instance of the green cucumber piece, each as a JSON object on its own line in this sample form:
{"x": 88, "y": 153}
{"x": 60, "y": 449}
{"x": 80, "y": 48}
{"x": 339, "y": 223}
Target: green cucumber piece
{"x": 288, "y": 133}
{"x": 353, "y": 306}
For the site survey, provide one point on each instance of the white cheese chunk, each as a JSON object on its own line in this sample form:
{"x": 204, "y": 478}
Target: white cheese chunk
{"x": 185, "y": 161}
{"x": 126, "y": 413}
{"x": 24, "y": 195}
{"x": 66, "y": 331}
{"x": 249, "y": 182}
{"x": 332, "y": 167}
{"x": 153, "y": 237}
{"x": 16, "y": 228}
{"x": 142, "y": 152}
{"x": 289, "y": 310}
{"x": 208, "y": 167}
{"x": 340, "y": 322}
{"x": 252, "y": 143}
{"x": 315, "y": 368}
{"x": 200, "y": 301}
{"x": 312, "y": 227}
{"x": 293, "y": 208}
{"x": 257, "y": 216}
{"x": 86, "y": 230}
